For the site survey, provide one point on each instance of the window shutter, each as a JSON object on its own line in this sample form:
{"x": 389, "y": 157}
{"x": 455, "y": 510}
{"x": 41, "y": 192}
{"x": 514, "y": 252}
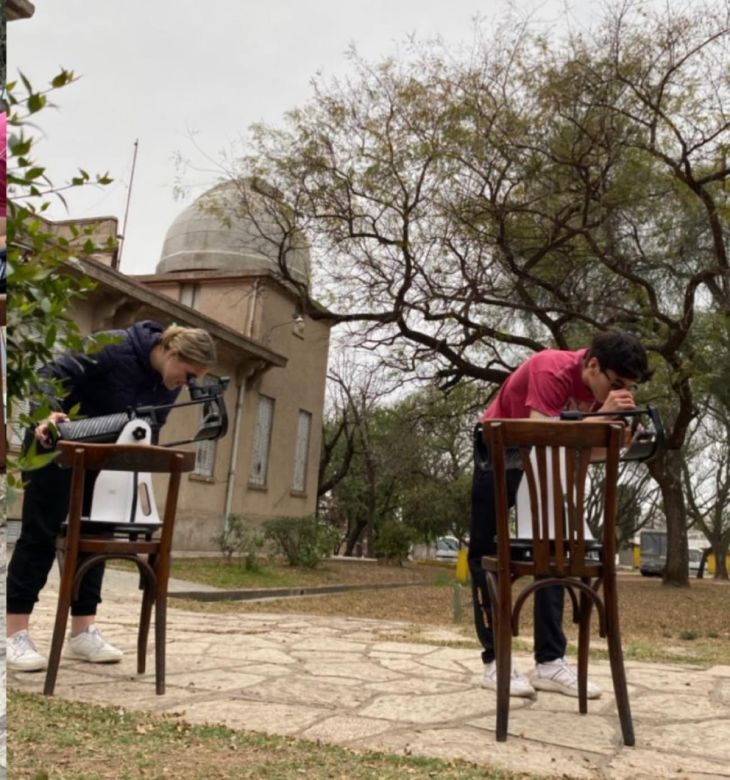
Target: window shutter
{"x": 301, "y": 451}
{"x": 205, "y": 450}
{"x": 262, "y": 441}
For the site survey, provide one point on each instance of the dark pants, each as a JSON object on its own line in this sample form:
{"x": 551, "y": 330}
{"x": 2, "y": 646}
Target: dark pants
{"x": 550, "y": 640}
{"x": 45, "y": 506}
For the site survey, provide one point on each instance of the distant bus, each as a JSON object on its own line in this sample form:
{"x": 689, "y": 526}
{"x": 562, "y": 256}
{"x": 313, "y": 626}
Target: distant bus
{"x": 653, "y": 545}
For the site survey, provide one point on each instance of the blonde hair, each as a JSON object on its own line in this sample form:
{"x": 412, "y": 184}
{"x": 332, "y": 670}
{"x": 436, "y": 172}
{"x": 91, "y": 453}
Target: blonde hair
{"x": 194, "y": 345}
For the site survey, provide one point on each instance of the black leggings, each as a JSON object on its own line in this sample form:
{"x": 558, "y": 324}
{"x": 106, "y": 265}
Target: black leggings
{"x": 550, "y": 640}
{"x": 45, "y": 506}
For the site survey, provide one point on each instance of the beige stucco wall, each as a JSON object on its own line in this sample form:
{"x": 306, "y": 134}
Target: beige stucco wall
{"x": 300, "y": 386}
{"x": 231, "y": 300}
{"x": 263, "y": 310}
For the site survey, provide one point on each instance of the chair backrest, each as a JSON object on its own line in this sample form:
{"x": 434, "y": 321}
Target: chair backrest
{"x": 126, "y": 457}
{"x": 123, "y": 457}
{"x": 554, "y": 458}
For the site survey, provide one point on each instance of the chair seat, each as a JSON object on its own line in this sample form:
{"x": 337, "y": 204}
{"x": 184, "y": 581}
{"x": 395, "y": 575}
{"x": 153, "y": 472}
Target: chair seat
{"x": 521, "y": 549}
{"x": 526, "y": 567}
{"x": 90, "y": 527}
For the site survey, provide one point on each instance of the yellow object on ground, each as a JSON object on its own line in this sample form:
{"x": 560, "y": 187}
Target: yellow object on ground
{"x": 462, "y": 566}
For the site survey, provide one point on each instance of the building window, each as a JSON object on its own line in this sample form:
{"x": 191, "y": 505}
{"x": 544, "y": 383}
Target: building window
{"x": 204, "y": 458}
{"x": 205, "y": 450}
{"x": 189, "y": 295}
{"x": 302, "y": 450}
{"x": 262, "y": 441}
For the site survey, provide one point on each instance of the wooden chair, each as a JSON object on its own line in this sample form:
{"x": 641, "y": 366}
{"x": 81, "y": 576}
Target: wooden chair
{"x": 565, "y": 557}
{"x": 147, "y": 546}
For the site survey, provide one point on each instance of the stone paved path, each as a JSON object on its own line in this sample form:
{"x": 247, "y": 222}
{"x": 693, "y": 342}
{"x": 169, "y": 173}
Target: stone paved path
{"x": 346, "y": 681}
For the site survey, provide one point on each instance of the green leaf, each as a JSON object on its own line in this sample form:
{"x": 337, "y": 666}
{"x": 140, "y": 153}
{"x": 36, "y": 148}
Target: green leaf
{"x": 35, "y": 102}
{"x": 28, "y": 86}
{"x": 62, "y": 79}
{"x": 34, "y": 173}
{"x": 20, "y": 146}
{"x": 33, "y": 459}
{"x": 51, "y": 336}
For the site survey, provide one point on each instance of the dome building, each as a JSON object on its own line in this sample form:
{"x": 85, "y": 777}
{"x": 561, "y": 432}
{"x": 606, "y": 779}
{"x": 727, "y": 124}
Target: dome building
{"x": 228, "y": 229}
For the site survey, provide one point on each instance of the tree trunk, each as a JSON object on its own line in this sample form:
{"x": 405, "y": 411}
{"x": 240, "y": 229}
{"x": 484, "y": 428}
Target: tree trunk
{"x": 353, "y": 536}
{"x": 667, "y": 472}
{"x": 372, "y": 504}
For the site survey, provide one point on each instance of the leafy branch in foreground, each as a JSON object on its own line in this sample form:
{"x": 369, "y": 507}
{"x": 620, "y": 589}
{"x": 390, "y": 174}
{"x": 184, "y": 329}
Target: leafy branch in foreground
{"x": 44, "y": 275}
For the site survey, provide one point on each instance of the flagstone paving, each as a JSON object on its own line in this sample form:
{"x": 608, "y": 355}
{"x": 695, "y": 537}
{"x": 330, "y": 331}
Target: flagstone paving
{"x": 346, "y": 682}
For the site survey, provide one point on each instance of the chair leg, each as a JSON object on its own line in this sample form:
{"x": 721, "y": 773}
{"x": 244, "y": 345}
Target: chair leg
{"x": 144, "y": 626}
{"x": 502, "y": 620}
{"x": 160, "y": 626}
{"x": 148, "y": 587}
{"x": 65, "y": 591}
{"x": 616, "y": 657}
{"x": 584, "y": 639}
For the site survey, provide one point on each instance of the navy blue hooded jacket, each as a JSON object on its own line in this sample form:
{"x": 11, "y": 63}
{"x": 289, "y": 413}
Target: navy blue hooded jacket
{"x": 116, "y": 377}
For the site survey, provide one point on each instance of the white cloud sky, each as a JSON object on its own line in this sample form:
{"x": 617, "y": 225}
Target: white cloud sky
{"x": 160, "y": 70}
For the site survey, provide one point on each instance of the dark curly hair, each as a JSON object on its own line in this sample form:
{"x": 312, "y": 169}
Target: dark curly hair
{"x": 622, "y": 353}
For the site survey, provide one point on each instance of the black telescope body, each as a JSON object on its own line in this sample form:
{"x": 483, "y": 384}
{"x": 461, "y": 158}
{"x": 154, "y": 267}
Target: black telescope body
{"x": 647, "y": 439}
{"x": 105, "y": 429}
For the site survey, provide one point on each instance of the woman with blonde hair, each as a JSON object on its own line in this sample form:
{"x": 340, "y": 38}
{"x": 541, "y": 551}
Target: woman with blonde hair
{"x": 146, "y": 365}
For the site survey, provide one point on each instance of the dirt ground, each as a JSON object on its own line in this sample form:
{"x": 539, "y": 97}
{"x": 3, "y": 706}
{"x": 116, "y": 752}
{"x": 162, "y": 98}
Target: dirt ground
{"x": 658, "y": 623}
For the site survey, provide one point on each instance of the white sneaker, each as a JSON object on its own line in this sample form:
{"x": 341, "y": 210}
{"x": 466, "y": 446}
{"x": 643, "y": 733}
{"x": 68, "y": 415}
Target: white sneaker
{"x": 91, "y": 646}
{"x": 560, "y": 676}
{"x": 519, "y": 685}
{"x": 22, "y": 654}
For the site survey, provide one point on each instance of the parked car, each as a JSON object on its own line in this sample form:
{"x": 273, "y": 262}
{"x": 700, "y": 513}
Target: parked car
{"x": 447, "y": 548}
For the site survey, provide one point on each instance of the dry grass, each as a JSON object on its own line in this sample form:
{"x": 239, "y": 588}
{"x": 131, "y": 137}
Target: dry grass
{"x": 222, "y": 574}
{"x": 658, "y": 623}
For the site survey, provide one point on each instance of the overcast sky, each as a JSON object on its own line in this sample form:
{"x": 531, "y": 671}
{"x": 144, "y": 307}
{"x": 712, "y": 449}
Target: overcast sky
{"x": 165, "y": 70}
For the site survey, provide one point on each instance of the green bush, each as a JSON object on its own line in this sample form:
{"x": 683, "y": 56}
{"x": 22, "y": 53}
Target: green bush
{"x": 393, "y": 542}
{"x": 237, "y": 539}
{"x": 303, "y": 541}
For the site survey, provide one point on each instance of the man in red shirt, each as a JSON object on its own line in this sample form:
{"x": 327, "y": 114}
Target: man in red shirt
{"x": 603, "y": 378}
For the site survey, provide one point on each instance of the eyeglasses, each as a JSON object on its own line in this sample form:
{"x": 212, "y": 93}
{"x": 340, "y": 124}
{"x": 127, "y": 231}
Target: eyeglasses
{"x": 619, "y": 384}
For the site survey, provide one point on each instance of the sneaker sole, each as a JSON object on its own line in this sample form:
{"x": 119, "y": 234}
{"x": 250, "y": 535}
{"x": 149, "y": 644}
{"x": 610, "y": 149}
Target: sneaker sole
{"x": 528, "y": 694}
{"x": 38, "y": 666}
{"x": 104, "y": 660}
{"x": 551, "y": 685}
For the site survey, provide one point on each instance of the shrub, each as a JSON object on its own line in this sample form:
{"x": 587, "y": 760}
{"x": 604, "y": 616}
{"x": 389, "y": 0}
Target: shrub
{"x": 393, "y": 542}
{"x": 236, "y": 538}
{"x": 303, "y": 541}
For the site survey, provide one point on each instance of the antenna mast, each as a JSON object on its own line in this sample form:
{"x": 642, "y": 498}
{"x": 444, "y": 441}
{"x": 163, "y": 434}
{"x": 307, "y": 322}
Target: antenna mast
{"x": 126, "y": 210}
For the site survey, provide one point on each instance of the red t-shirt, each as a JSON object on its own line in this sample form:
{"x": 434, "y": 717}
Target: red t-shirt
{"x": 548, "y": 382}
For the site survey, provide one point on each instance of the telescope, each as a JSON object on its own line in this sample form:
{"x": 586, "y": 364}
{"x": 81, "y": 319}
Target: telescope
{"x": 648, "y": 435}
{"x": 647, "y": 439}
{"x": 107, "y": 428}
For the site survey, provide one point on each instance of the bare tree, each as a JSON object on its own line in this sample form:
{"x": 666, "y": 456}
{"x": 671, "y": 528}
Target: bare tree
{"x": 467, "y": 212}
